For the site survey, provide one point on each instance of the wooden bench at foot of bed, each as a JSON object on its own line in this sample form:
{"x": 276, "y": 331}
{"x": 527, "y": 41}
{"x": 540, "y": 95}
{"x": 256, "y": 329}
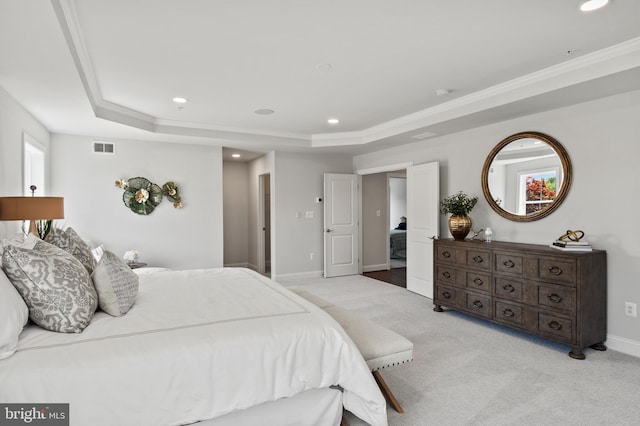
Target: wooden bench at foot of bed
{"x": 379, "y": 346}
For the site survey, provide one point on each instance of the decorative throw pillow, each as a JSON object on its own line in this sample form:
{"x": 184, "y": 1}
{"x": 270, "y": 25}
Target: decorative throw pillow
{"x": 54, "y": 284}
{"x": 21, "y": 240}
{"x": 69, "y": 241}
{"x": 116, "y": 284}
{"x": 14, "y": 315}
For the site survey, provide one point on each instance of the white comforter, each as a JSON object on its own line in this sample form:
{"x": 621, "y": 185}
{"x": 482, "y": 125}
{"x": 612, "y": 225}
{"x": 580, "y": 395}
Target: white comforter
{"x": 197, "y": 344}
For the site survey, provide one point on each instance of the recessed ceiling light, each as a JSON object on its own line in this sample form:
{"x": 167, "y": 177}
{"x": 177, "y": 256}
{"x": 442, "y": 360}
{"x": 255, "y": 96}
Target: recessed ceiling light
{"x": 323, "y": 66}
{"x": 235, "y": 155}
{"x": 333, "y": 121}
{"x": 180, "y": 100}
{"x": 442, "y": 92}
{"x": 264, "y": 111}
{"x": 591, "y": 5}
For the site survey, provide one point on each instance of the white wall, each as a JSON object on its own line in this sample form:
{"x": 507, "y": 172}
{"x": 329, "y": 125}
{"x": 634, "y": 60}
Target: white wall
{"x": 374, "y": 227}
{"x": 603, "y": 141}
{"x": 191, "y": 237}
{"x": 236, "y": 213}
{"x": 14, "y": 122}
{"x": 259, "y": 166}
{"x": 298, "y": 181}
{"x": 397, "y": 200}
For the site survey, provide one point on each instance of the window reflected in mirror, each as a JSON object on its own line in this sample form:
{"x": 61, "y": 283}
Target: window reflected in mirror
{"x": 526, "y": 176}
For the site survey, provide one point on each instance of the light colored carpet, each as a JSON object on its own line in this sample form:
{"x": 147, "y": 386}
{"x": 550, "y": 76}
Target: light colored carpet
{"x": 470, "y": 372}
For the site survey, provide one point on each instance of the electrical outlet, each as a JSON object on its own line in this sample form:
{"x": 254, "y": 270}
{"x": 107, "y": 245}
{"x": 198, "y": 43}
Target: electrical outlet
{"x": 630, "y": 309}
{"x": 311, "y": 256}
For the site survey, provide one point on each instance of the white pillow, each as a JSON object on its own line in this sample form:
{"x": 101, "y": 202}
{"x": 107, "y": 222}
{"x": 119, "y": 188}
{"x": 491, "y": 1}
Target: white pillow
{"x": 14, "y": 315}
{"x": 116, "y": 284}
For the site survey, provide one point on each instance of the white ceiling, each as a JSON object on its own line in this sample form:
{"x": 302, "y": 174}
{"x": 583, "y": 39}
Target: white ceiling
{"x": 109, "y": 69}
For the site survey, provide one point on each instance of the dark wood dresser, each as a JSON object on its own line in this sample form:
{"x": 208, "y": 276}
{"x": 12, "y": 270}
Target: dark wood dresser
{"x": 554, "y": 294}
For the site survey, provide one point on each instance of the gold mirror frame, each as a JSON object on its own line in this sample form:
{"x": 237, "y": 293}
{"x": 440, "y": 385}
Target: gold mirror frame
{"x": 561, "y": 192}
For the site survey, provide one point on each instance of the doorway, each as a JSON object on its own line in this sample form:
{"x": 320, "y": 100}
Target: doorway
{"x": 423, "y": 215}
{"x": 264, "y": 235}
{"x": 384, "y": 212}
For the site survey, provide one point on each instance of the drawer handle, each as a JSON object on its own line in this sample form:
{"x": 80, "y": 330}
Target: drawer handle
{"x": 508, "y": 313}
{"x": 555, "y": 325}
{"x": 478, "y": 282}
{"x": 554, "y": 270}
{"x": 509, "y": 264}
{"x": 478, "y": 304}
{"x": 446, "y": 254}
{"x": 478, "y": 259}
{"x": 556, "y": 298}
{"x": 446, "y": 274}
{"x": 446, "y": 295}
{"x": 508, "y": 288}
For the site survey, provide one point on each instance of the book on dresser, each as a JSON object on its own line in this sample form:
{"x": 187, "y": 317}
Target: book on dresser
{"x": 554, "y": 294}
{"x": 571, "y": 245}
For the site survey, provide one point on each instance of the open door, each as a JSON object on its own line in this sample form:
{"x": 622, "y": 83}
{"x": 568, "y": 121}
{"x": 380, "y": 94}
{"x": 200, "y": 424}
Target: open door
{"x": 341, "y": 226}
{"x": 423, "y": 217}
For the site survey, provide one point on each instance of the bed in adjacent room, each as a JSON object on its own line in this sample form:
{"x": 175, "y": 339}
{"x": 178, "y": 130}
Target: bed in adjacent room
{"x": 398, "y": 243}
{"x": 225, "y": 346}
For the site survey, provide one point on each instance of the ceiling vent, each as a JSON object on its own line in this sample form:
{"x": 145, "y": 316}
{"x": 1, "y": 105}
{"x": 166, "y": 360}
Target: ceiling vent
{"x": 424, "y": 135}
{"x": 100, "y": 147}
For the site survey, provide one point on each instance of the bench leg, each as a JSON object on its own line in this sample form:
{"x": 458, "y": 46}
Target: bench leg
{"x": 387, "y": 392}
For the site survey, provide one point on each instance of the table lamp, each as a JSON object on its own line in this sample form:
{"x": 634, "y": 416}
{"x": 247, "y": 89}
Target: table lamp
{"x": 31, "y": 208}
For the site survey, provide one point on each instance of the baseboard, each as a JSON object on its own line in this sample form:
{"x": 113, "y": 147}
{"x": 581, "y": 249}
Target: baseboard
{"x": 380, "y": 267}
{"x": 624, "y": 345}
{"x": 237, "y": 265}
{"x": 300, "y": 275}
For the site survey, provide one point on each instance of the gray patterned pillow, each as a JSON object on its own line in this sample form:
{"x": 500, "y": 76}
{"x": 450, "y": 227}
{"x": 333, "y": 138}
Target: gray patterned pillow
{"x": 54, "y": 284}
{"x": 116, "y": 284}
{"x": 69, "y": 241}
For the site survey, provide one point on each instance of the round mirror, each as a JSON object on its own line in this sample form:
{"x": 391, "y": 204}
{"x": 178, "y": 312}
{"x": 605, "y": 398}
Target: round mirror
{"x": 526, "y": 176}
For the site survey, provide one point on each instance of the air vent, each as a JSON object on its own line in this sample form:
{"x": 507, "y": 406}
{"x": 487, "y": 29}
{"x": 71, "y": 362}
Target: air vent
{"x": 100, "y": 147}
{"x": 424, "y": 135}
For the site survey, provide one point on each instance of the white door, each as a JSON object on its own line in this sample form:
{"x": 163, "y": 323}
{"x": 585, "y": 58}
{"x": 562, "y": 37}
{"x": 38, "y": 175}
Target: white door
{"x": 340, "y": 225}
{"x": 423, "y": 217}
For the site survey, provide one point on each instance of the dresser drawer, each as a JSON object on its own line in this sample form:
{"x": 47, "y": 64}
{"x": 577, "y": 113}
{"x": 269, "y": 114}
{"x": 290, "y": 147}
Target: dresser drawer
{"x": 556, "y": 270}
{"x": 508, "y": 288}
{"x": 508, "y": 313}
{"x": 555, "y": 325}
{"x": 479, "y": 259}
{"x": 509, "y": 263}
{"x": 557, "y": 297}
{"x": 478, "y": 304}
{"x": 478, "y": 281}
{"x": 445, "y": 254}
{"x": 447, "y": 274}
{"x": 447, "y": 296}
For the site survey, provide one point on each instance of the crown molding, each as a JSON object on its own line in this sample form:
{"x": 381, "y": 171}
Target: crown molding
{"x": 612, "y": 60}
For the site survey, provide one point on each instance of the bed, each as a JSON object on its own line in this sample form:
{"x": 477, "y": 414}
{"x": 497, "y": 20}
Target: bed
{"x": 398, "y": 242}
{"x": 218, "y": 346}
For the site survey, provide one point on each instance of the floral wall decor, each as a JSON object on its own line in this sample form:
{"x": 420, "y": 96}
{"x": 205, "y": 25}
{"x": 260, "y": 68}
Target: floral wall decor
{"x": 143, "y": 196}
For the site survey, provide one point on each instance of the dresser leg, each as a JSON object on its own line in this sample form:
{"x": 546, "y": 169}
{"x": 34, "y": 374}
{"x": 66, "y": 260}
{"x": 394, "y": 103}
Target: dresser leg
{"x": 437, "y": 308}
{"x": 598, "y": 346}
{"x": 577, "y": 354}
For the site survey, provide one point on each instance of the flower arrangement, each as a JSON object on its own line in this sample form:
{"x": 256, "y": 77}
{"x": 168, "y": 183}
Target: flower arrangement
{"x": 459, "y": 204}
{"x": 142, "y": 196}
{"x": 131, "y": 256}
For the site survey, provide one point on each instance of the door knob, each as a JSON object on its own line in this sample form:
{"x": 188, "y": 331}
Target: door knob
{"x": 329, "y": 230}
